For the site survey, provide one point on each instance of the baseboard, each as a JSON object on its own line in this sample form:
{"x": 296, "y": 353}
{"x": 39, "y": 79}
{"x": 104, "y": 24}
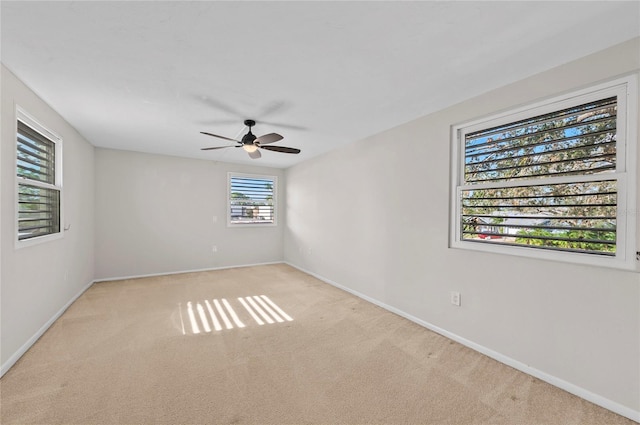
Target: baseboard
{"x": 110, "y": 279}
{"x": 553, "y": 380}
{"x": 16, "y": 356}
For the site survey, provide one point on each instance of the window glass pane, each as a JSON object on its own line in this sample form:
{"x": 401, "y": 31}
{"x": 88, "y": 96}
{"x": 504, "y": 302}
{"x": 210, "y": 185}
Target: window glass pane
{"x": 569, "y": 217}
{"x": 577, "y": 140}
{"x": 36, "y": 155}
{"x": 38, "y": 211}
{"x": 251, "y": 200}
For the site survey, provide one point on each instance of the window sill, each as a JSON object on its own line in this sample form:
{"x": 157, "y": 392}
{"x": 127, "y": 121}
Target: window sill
{"x": 618, "y": 262}
{"x": 38, "y": 240}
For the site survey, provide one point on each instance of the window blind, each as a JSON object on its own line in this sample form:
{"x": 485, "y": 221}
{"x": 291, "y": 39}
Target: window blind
{"x": 38, "y": 197}
{"x": 36, "y": 155}
{"x": 251, "y": 200}
{"x": 565, "y": 195}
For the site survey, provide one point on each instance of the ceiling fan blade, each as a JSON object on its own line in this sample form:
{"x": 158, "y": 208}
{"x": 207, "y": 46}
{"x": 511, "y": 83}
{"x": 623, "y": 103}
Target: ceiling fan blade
{"x": 277, "y": 124}
{"x": 255, "y": 154}
{"x": 219, "y": 137}
{"x": 268, "y": 138}
{"x": 273, "y": 107}
{"x": 217, "y": 147}
{"x": 216, "y": 104}
{"x": 216, "y": 122}
{"x": 282, "y": 149}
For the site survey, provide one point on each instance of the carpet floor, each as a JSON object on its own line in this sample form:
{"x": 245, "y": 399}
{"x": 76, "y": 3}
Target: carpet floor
{"x": 263, "y": 345}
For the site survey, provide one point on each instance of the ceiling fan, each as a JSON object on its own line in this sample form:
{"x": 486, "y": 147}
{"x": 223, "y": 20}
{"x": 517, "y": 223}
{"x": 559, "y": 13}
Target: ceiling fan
{"x": 250, "y": 143}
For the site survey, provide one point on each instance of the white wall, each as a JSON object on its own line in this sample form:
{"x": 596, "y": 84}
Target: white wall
{"x": 373, "y": 217}
{"x": 38, "y": 281}
{"x": 155, "y": 214}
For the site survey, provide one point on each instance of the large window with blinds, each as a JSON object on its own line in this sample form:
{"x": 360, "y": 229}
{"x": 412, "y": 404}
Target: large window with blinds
{"x": 554, "y": 180}
{"x": 39, "y": 187}
{"x": 251, "y": 200}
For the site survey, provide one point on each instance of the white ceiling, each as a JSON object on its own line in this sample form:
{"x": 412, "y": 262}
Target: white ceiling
{"x": 149, "y": 76}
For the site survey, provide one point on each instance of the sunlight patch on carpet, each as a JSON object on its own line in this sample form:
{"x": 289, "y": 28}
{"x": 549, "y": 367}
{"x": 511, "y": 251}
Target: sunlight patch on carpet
{"x": 265, "y": 308}
{"x": 218, "y": 314}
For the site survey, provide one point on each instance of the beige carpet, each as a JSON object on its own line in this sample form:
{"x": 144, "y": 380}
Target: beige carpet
{"x": 129, "y": 352}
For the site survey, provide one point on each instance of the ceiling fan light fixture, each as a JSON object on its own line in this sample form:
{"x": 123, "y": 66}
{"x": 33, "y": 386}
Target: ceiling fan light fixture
{"x": 250, "y": 147}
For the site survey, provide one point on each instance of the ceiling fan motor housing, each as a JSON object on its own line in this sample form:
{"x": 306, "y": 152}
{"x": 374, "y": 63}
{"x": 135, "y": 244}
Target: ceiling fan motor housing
{"x": 248, "y": 138}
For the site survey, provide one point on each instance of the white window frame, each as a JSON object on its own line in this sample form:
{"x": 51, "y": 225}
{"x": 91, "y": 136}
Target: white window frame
{"x": 626, "y": 88}
{"x": 26, "y": 118}
{"x": 230, "y": 175}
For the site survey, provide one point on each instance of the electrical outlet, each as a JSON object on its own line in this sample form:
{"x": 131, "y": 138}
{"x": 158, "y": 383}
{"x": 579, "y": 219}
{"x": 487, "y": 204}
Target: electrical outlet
{"x": 455, "y": 298}
{"x": 214, "y": 248}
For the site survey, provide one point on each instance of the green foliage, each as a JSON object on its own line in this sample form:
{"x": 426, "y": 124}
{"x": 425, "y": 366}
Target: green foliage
{"x": 587, "y": 240}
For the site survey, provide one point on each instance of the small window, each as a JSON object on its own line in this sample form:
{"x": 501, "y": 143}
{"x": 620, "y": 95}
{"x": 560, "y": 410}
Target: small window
{"x": 38, "y": 163}
{"x": 251, "y": 200}
{"x": 550, "y": 180}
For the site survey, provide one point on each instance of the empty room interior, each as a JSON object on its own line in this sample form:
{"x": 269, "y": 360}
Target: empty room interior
{"x": 320, "y": 212}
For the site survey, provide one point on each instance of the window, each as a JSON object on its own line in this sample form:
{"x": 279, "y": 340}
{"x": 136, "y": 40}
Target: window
{"x": 251, "y": 199}
{"x": 38, "y": 166}
{"x": 552, "y": 180}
